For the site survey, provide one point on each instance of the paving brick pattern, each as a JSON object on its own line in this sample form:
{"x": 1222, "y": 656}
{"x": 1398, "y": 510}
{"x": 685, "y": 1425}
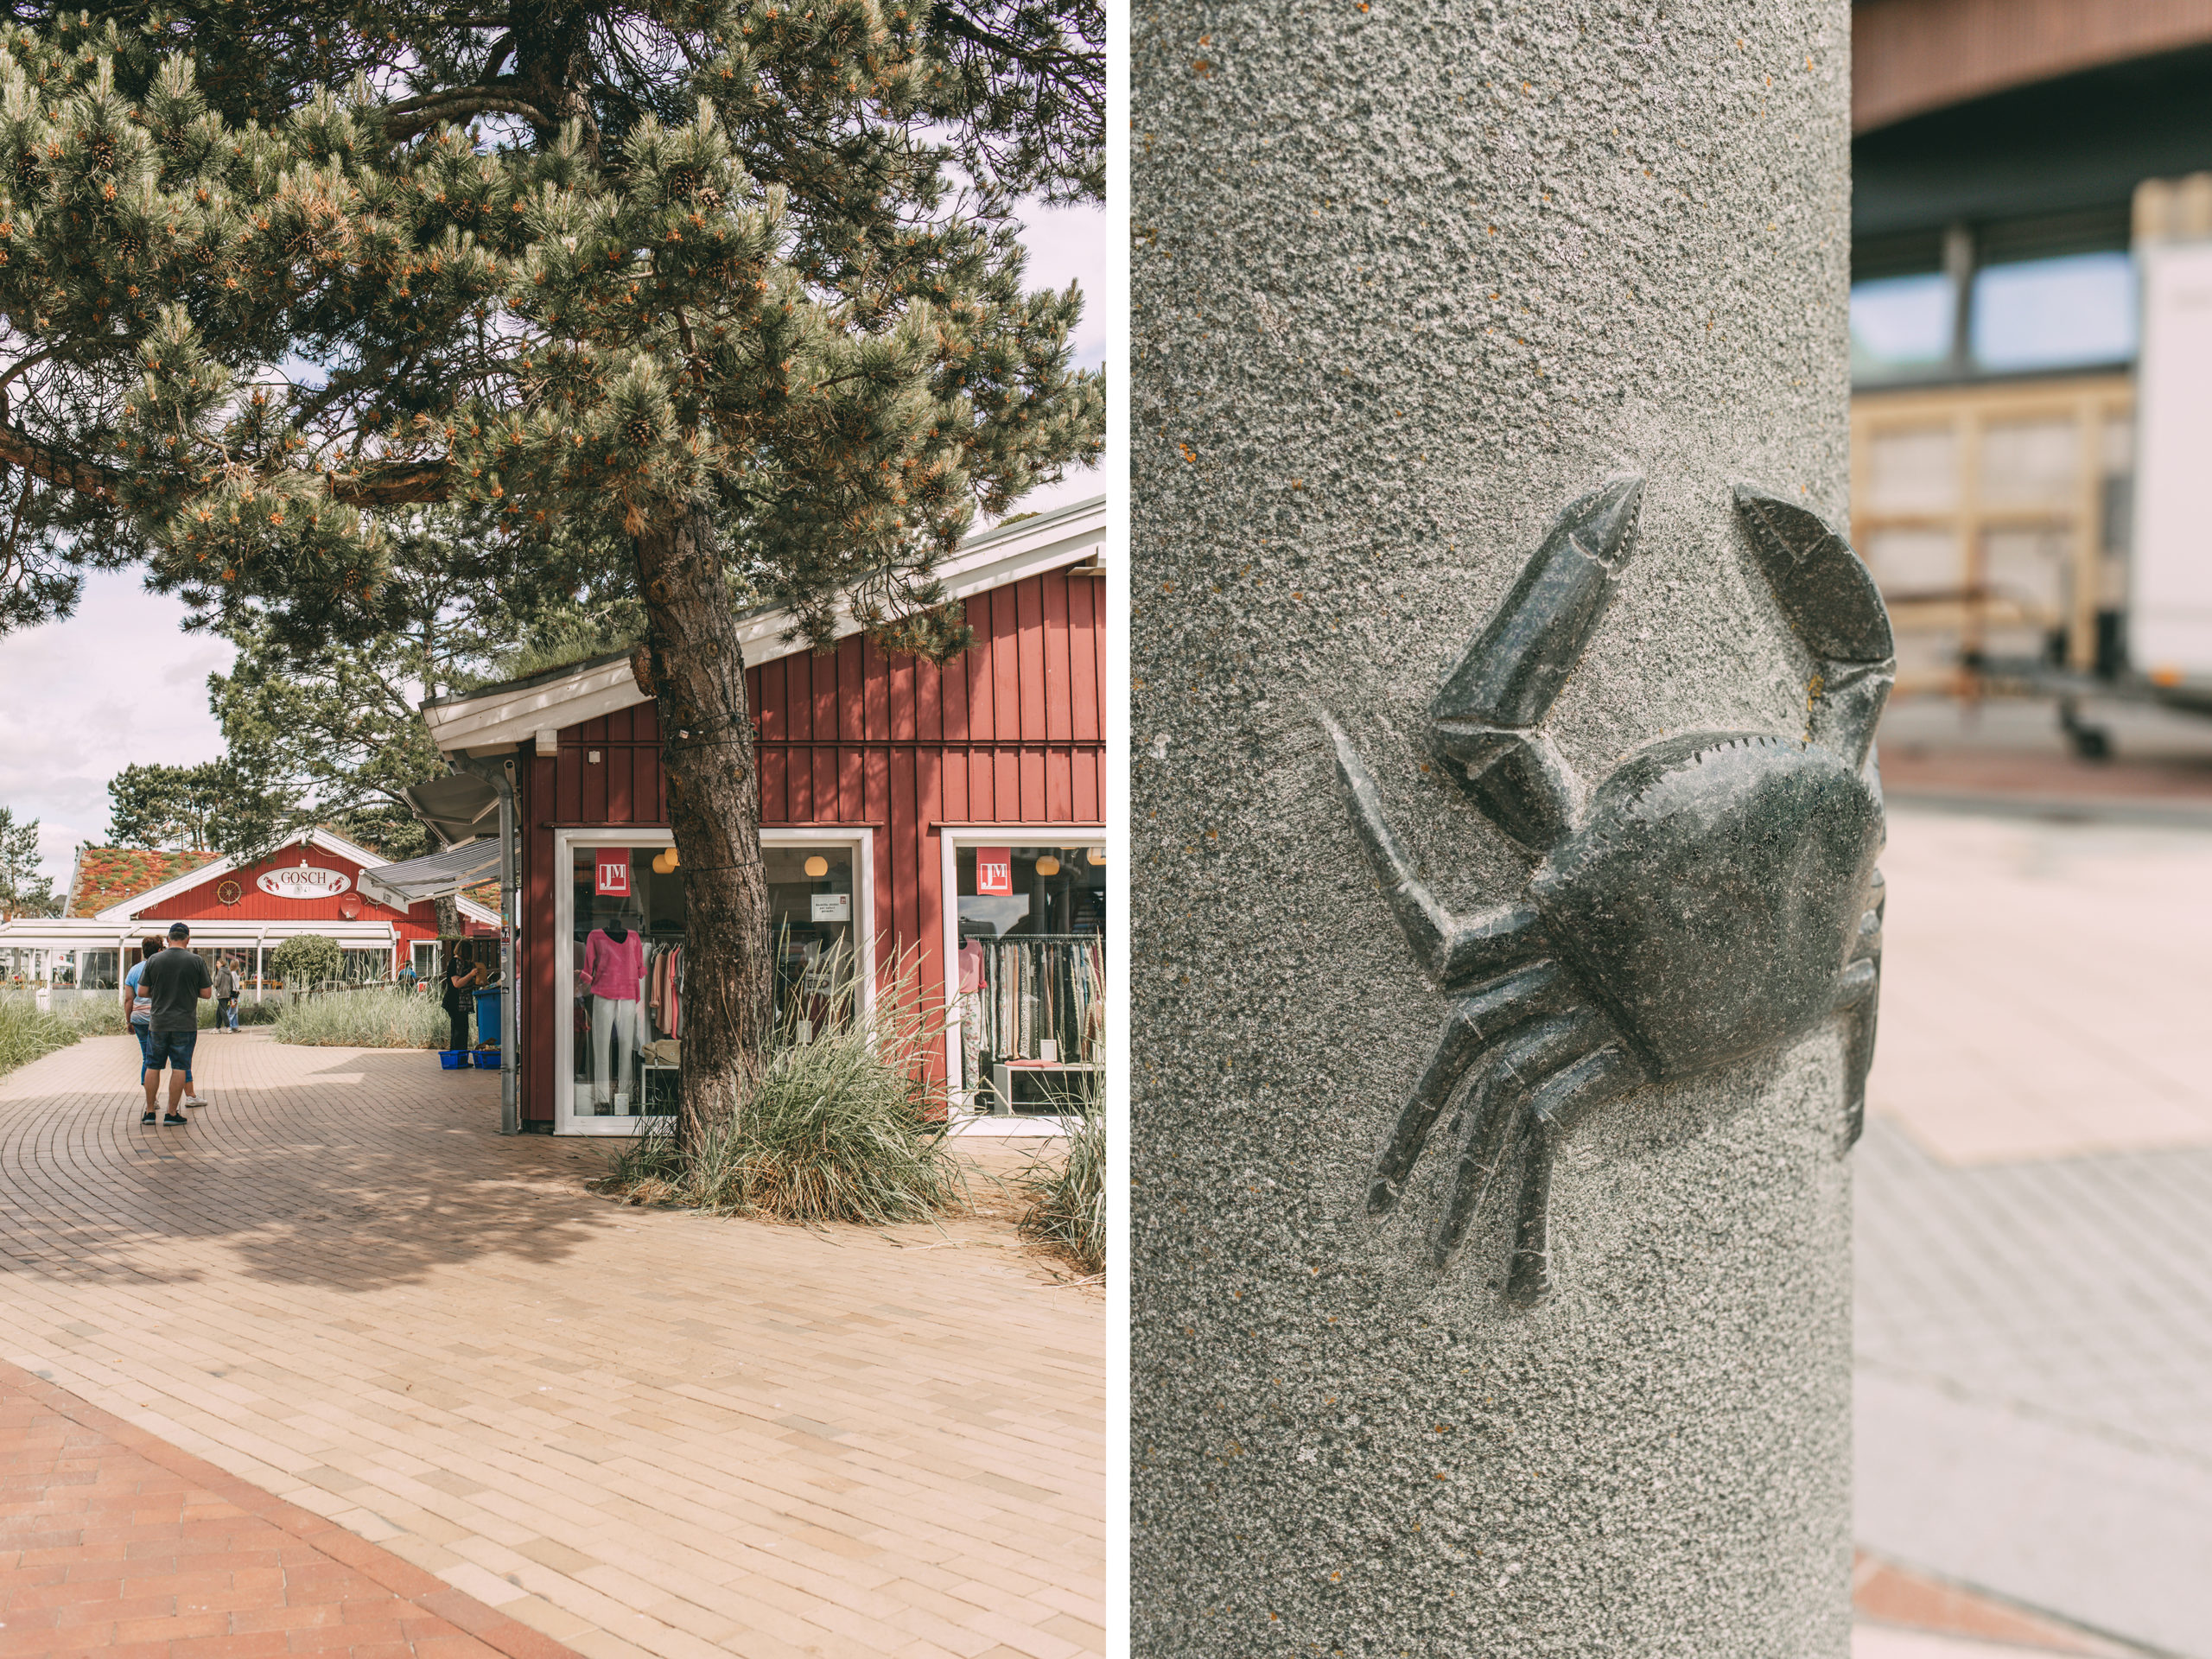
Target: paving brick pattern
{"x": 633, "y": 1431}
{"x": 114, "y": 1545}
{"x": 2042, "y": 988}
{"x": 2078, "y": 1290}
{"x": 2034, "y": 1223}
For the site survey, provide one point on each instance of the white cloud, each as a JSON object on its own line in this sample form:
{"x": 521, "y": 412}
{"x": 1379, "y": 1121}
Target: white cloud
{"x": 117, "y": 683}
{"x": 1069, "y": 244}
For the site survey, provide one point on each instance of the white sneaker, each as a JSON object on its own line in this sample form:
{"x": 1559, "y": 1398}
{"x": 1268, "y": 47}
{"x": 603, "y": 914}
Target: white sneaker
{"x": 192, "y": 1100}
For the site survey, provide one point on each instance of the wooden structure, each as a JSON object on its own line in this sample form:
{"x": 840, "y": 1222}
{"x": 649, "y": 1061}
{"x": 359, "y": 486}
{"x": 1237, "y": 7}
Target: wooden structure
{"x": 1991, "y": 513}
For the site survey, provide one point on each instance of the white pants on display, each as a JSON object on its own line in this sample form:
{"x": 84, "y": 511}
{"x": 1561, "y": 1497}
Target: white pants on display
{"x": 614, "y": 1022}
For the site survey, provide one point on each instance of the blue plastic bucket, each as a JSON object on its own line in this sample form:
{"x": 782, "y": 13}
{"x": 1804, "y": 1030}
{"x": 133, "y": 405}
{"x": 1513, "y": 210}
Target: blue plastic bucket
{"x": 454, "y": 1060}
{"x": 487, "y": 1059}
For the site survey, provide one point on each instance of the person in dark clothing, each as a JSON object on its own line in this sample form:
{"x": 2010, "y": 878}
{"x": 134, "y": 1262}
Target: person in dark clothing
{"x": 459, "y": 981}
{"x": 176, "y": 981}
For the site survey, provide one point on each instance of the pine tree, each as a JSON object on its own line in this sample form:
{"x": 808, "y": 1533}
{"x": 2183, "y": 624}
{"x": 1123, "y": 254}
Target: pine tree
{"x": 747, "y": 336}
{"x": 24, "y": 891}
{"x": 331, "y": 733}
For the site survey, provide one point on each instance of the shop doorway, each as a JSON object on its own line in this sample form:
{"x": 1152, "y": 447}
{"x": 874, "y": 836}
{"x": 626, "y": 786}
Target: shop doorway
{"x": 619, "y": 914}
{"x": 1025, "y": 933}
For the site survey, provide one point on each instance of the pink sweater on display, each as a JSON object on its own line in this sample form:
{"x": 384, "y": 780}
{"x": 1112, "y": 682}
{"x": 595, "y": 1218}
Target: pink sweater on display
{"x": 612, "y": 970}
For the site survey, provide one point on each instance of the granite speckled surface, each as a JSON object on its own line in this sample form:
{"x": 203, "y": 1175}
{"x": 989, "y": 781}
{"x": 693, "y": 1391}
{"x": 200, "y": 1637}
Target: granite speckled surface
{"x": 1407, "y": 279}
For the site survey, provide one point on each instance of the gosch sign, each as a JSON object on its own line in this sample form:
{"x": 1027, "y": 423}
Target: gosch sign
{"x": 304, "y": 881}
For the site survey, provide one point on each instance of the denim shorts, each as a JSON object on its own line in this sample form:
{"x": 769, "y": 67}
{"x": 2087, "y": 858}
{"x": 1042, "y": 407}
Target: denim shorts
{"x": 173, "y": 1046}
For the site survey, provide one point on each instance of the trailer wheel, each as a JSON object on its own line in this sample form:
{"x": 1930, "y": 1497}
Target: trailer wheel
{"x": 2090, "y": 742}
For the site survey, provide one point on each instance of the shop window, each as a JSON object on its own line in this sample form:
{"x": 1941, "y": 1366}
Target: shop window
{"x": 813, "y": 907}
{"x": 1030, "y": 1000}
{"x": 97, "y": 970}
{"x": 626, "y": 946}
{"x": 627, "y": 969}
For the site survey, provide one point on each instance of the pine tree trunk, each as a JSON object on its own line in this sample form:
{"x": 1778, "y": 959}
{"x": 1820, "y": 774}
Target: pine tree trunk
{"x": 697, "y": 669}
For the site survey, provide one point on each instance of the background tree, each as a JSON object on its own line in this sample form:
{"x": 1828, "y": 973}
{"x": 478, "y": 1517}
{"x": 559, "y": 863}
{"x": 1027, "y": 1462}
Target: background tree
{"x": 305, "y": 960}
{"x": 711, "y": 297}
{"x": 24, "y": 891}
{"x": 334, "y": 729}
{"x": 215, "y": 806}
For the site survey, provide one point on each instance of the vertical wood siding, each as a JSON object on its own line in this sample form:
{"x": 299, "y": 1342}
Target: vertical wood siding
{"x": 1011, "y": 731}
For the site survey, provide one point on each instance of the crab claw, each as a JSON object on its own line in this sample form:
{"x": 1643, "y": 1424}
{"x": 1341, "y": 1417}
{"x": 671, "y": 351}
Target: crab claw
{"x": 1485, "y": 720}
{"x": 1831, "y": 601}
{"x": 1828, "y": 595}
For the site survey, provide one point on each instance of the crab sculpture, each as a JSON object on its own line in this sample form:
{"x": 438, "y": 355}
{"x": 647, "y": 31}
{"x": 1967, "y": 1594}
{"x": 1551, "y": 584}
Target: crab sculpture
{"x": 1714, "y": 898}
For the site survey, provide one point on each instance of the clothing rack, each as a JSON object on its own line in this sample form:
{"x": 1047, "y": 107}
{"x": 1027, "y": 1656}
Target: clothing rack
{"x": 1041, "y": 988}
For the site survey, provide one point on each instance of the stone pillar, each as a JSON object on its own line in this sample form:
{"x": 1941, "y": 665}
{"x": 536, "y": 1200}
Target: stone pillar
{"x": 1408, "y": 279}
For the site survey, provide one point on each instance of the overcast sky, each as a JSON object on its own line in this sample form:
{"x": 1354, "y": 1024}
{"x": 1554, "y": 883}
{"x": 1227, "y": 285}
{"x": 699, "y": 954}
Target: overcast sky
{"x": 121, "y": 683}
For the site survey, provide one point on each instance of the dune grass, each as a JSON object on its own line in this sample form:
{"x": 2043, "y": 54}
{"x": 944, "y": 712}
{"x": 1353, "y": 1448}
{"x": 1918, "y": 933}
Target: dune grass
{"x": 385, "y": 1018}
{"x": 26, "y": 1035}
{"x": 845, "y": 1124}
{"x": 1067, "y": 1194}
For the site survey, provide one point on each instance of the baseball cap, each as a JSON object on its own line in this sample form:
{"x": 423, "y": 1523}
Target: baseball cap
{"x": 179, "y": 931}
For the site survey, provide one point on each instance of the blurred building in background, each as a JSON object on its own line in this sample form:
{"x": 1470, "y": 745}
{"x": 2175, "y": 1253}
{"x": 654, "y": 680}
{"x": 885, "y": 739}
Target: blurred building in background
{"x": 2032, "y": 331}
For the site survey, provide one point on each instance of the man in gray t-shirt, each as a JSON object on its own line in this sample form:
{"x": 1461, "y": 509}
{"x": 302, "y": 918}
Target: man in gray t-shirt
{"x": 176, "y": 981}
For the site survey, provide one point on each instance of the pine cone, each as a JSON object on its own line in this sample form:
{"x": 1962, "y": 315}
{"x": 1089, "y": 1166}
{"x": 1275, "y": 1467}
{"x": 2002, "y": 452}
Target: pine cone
{"x": 638, "y": 430}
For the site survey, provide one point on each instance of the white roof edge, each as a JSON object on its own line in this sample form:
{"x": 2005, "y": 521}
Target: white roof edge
{"x": 78, "y": 932}
{"x": 1008, "y": 554}
{"x": 215, "y": 868}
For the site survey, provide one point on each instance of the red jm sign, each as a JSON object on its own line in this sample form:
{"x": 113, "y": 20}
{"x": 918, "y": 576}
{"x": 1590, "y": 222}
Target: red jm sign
{"x": 611, "y": 877}
{"x": 995, "y": 871}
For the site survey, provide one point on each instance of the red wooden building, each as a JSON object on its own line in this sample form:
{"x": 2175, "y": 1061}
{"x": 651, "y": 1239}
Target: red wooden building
{"x": 883, "y": 778}
{"x": 311, "y": 884}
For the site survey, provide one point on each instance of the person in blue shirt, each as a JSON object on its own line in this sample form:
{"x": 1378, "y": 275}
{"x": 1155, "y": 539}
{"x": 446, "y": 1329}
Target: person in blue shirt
{"x": 137, "y": 1006}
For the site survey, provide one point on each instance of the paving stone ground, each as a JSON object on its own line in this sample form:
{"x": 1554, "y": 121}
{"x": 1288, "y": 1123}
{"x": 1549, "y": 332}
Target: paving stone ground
{"x": 114, "y": 1545}
{"x": 2034, "y": 1223}
{"x": 633, "y": 1431}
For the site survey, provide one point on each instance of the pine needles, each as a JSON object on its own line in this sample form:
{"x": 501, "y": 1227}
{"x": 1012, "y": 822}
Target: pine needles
{"x": 845, "y": 1124}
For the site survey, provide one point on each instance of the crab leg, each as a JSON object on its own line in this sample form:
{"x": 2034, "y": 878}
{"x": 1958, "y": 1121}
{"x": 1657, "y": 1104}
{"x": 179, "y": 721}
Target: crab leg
{"x": 1473, "y": 1025}
{"x": 1554, "y": 1107}
{"x": 1453, "y": 952}
{"x": 1494, "y": 1104}
{"x": 1485, "y": 720}
{"x": 1857, "y": 996}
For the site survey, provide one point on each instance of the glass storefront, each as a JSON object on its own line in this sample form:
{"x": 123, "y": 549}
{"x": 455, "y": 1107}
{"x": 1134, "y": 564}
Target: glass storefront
{"x": 1030, "y": 994}
{"x": 627, "y": 934}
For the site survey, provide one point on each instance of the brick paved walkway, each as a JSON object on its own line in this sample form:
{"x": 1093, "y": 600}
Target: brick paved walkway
{"x": 114, "y": 1545}
{"x": 633, "y": 1431}
{"x": 2034, "y": 1223}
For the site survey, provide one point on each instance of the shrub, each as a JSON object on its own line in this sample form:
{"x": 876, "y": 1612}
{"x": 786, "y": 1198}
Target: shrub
{"x": 1067, "y": 1195}
{"x": 305, "y": 959}
{"x": 845, "y": 1124}
{"x": 383, "y": 1018}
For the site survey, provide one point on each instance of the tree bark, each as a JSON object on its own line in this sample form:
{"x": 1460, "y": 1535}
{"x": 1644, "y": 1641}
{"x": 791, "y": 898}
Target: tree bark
{"x": 698, "y": 671}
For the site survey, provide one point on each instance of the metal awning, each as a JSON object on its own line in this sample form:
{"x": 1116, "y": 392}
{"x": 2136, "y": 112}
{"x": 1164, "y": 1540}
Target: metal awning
{"x": 434, "y": 875}
{"x": 457, "y": 808}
